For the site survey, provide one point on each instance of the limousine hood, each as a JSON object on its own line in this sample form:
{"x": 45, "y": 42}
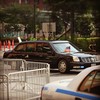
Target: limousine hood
{"x": 78, "y": 54}
{"x": 82, "y": 55}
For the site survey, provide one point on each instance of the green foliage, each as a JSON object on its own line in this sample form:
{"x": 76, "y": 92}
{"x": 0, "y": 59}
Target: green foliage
{"x": 2, "y": 15}
{"x": 66, "y": 14}
{"x": 64, "y": 9}
{"x": 84, "y": 43}
{"x": 97, "y": 44}
{"x": 12, "y": 28}
{"x": 18, "y": 14}
{"x": 84, "y": 25}
{"x": 32, "y": 39}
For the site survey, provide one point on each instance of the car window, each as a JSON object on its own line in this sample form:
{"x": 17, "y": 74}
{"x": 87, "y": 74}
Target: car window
{"x": 39, "y": 47}
{"x": 63, "y": 47}
{"x": 91, "y": 84}
{"x": 95, "y": 87}
{"x": 31, "y": 47}
{"x": 21, "y": 48}
{"x": 43, "y": 47}
{"x": 46, "y": 47}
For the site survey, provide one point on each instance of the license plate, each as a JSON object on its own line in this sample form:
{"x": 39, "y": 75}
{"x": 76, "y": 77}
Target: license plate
{"x": 76, "y": 67}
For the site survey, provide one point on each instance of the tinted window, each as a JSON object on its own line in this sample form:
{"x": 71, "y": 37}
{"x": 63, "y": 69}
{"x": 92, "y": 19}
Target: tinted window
{"x": 21, "y": 47}
{"x": 91, "y": 84}
{"x": 39, "y": 47}
{"x": 43, "y": 47}
{"x": 31, "y": 47}
{"x": 46, "y": 47}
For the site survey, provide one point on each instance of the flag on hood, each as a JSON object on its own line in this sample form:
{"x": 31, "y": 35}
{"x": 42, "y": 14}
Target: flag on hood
{"x": 67, "y": 49}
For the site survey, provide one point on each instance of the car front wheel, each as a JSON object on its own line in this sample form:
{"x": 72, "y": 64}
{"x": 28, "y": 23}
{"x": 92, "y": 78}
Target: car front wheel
{"x": 62, "y": 66}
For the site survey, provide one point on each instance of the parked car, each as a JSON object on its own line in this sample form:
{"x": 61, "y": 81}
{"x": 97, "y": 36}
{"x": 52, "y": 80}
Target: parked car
{"x": 59, "y": 54}
{"x": 84, "y": 86}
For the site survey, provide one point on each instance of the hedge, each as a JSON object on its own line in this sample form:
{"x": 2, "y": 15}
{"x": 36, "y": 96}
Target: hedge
{"x": 85, "y": 43}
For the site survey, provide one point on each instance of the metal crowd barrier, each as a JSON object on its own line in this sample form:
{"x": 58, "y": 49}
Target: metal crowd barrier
{"x": 11, "y": 65}
{"x": 22, "y": 80}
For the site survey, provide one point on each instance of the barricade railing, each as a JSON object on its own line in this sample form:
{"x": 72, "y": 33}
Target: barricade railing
{"x": 11, "y": 65}
{"x": 4, "y": 87}
{"x": 22, "y": 80}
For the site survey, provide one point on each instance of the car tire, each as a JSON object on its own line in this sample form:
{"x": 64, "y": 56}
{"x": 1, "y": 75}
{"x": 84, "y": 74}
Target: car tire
{"x": 62, "y": 66}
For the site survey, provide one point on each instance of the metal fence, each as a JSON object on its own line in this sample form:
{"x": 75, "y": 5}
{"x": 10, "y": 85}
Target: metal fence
{"x": 11, "y": 65}
{"x": 22, "y": 80}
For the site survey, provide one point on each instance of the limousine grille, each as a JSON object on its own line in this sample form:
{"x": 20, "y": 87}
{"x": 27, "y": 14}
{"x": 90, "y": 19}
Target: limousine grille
{"x": 89, "y": 59}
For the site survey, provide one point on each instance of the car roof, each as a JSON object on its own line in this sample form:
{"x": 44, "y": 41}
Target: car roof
{"x": 80, "y": 77}
{"x": 45, "y": 41}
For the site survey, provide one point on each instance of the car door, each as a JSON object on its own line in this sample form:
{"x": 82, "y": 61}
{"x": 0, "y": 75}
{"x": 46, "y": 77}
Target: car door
{"x": 30, "y": 54}
{"x": 44, "y": 53}
{"x": 90, "y": 87}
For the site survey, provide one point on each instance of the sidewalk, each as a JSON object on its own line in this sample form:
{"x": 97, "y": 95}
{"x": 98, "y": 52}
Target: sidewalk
{"x": 1, "y": 54}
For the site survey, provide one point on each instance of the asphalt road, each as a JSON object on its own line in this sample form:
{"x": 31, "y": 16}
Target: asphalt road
{"x": 55, "y": 75}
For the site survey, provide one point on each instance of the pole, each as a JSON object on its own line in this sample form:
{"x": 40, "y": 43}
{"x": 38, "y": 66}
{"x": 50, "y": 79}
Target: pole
{"x": 49, "y": 28}
{"x": 72, "y": 25}
{"x": 34, "y": 20}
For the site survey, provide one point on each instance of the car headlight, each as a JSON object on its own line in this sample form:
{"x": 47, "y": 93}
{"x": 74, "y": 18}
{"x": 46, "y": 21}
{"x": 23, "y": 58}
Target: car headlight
{"x": 75, "y": 58}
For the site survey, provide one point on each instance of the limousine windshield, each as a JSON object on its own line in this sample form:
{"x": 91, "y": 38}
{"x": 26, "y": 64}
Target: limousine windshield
{"x": 65, "y": 48}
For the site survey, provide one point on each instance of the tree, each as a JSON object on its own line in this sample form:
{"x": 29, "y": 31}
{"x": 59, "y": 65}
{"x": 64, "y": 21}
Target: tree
{"x": 84, "y": 25}
{"x": 2, "y": 17}
{"x": 69, "y": 10}
{"x": 19, "y": 14}
{"x": 95, "y": 6}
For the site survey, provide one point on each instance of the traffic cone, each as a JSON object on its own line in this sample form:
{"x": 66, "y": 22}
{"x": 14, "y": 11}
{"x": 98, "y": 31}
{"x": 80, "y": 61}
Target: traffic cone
{"x": 9, "y": 44}
{"x": 4, "y": 45}
{"x": 12, "y": 44}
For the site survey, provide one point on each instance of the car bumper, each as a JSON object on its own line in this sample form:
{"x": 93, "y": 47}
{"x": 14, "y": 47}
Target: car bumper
{"x": 82, "y": 65}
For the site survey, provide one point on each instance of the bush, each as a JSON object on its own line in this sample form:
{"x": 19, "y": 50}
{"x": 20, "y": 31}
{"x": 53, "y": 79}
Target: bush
{"x": 85, "y": 43}
{"x": 98, "y": 45}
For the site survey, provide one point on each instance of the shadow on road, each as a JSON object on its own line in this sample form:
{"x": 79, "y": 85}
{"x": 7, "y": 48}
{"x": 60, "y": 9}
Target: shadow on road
{"x": 72, "y": 72}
